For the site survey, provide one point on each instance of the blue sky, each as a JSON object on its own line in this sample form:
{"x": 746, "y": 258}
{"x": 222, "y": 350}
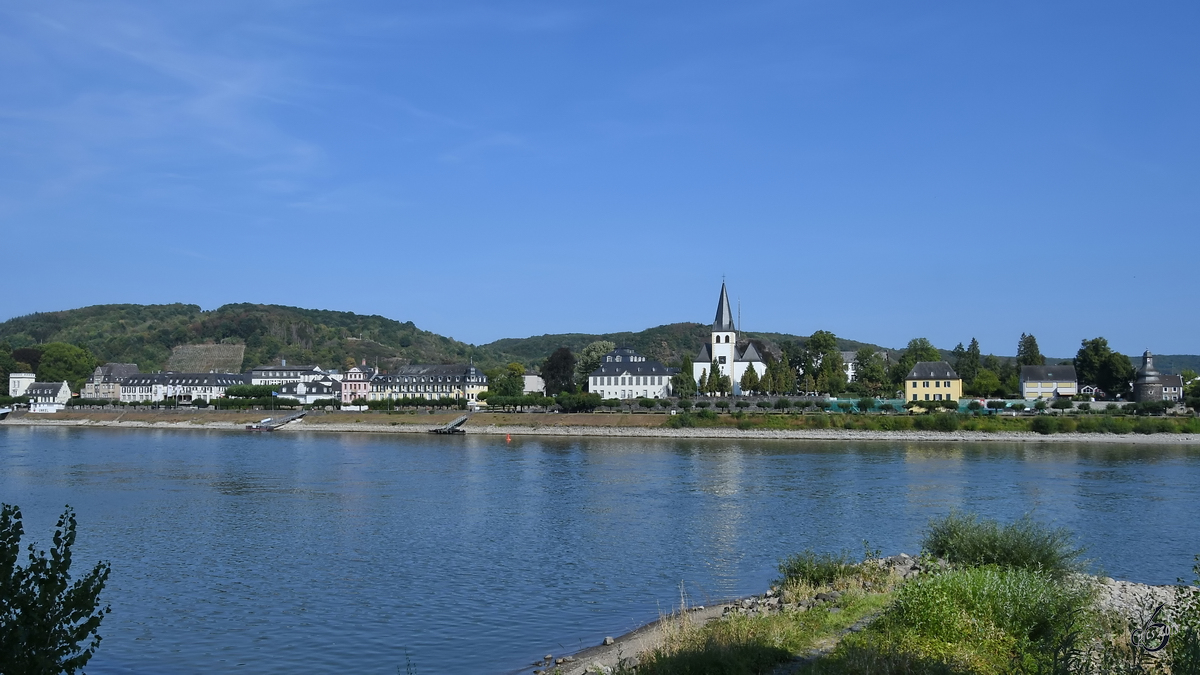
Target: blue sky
{"x": 486, "y": 170}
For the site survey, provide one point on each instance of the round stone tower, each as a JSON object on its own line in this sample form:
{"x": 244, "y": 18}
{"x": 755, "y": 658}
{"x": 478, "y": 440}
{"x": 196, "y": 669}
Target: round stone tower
{"x": 1149, "y": 383}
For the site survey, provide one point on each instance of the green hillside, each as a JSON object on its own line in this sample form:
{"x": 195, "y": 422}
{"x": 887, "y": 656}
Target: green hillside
{"x": 145, "y": 334}
{"x": 667, "y": 343}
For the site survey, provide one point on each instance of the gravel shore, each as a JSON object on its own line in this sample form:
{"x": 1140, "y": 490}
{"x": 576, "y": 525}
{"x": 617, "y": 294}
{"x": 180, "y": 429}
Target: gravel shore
{"x": 648, "y": 432}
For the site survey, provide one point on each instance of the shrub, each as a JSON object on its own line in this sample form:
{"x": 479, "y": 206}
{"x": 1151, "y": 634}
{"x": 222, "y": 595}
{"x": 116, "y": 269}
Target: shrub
{"x": 702, "y": 404}
{"x": 647, "y": 403}
{"x": 723, "y": 405}
{"x": 937, "y": 422}
{"x": 1062, "y": 404}
{"x": 845, "y": 406}
{"x": 664, "y": 403}
{"x": 1043, "y": 425}
{"x": 783, "y": 404}
{"x": 199, "y": 403}
{"x": 764, "y": 404}
{"x": 743, "y": 404}
{"x": 887, "y": 407}
{"x": 974, "y": 406}
{"x": 865, "y": 404}
{"x": 685, "y": 404}
{"x": 1085, "y": 406}
{"x": 1038, "y": 405}
{"x": 1112, "y": 407}
{"x": 1018, "y": 407}
{"x": 1115, "y": 425}
{"x": 997, "y": 405}
{"x": 48, "y": 623}
{"x": 964, "y": 539}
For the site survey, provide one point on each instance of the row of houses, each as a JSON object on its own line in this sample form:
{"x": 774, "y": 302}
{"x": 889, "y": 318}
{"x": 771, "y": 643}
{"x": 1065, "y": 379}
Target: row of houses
{"x": 937, "y": 381}
{"x": 307, "y": 384}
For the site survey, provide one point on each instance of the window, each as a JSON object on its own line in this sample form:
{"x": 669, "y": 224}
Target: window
{"x": 947, "y": 384}
{"x": 937, "y": 384}
{"x": 721, "y": 359}
{"x": 914, "y": 397}
{"x": 926, "y": 385}
{"x": 926, "y": 397}
{"x": 914, "y": 385}
{"x": 937, "y": 397}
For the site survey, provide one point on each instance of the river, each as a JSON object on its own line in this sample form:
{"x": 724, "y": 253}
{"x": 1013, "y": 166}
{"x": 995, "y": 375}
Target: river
{"x": 318, "y": 552}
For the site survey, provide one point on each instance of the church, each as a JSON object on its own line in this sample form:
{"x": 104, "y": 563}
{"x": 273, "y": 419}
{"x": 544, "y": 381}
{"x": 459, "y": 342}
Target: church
{"x": 733, "y": 359}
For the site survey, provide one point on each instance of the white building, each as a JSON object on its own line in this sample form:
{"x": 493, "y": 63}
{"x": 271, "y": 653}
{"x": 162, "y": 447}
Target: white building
{"x": 460, "y": 381}
{"x": 1048, "y": 382}
{"x": 312, "y": 391}
{"x": 732, "y": 360}
{"x": 534, "y": 384}
{"x": 182, "y": 387}
{"x": 18, "y": 383}
{"x": 625, "y": 374}
{"x": 105, "y": 382}
{"x": 282, "y": 374}
{"x": 48, "y": 397}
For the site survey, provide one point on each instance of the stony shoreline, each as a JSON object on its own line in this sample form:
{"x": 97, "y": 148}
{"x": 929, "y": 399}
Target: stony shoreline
{"x": 643, "y": 432}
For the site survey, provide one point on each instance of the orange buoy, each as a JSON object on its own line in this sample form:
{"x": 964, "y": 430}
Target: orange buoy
{"x": 508, "y": 438}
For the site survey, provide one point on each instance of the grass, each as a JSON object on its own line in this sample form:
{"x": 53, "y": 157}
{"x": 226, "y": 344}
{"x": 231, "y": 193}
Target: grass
{"x": 979, "y": 620}
{"x": 964, "y": 539}
{"x": 743, "y": 645}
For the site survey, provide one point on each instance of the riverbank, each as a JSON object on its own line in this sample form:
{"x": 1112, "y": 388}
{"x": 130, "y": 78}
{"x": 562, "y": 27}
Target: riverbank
{"x": 538, "y": 424}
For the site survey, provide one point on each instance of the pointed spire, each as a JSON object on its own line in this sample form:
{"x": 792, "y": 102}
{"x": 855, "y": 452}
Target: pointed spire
{"x": 724, "y": 320}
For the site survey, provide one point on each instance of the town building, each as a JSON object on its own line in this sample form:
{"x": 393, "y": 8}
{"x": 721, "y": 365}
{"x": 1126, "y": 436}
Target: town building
{"x": 283, "y": 373}
{"x": 312, "y": 391}
{"x": 180, "y": 387}
{"x": 733, "y": 359}
{"x": 1172, "y": 387}
{"x": 19, "y": 383}
{"x": 430, "y": 381}
{"x": 534, "y": 384}
{"x": 105, "y": 382}
{"x": 625, "y": 374}
{"x": 48, "y": 397}
{"x": 932, "y": 381}
{"x": 356, "y": 383}
{"x": 1048, "y": 382}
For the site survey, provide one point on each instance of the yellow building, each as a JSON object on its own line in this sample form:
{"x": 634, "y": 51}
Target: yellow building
{"x": 932, "y": 381}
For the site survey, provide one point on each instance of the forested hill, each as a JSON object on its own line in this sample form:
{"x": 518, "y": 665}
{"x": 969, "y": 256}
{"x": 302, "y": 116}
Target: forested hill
{"x": 145, "y": 334}
{"x": 667, "y": 344}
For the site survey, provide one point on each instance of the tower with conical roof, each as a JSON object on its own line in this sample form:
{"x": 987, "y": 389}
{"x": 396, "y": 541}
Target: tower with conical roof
{"x": 722, "y": 347}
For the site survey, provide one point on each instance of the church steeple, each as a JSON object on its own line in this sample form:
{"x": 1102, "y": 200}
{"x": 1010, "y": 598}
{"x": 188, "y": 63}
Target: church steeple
{"x": 724, "y": 320}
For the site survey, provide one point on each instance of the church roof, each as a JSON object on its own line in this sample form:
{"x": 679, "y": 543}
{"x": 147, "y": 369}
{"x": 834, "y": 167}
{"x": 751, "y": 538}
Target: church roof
{"x": 751, "y": 353}
{"x": 724, "y": 320}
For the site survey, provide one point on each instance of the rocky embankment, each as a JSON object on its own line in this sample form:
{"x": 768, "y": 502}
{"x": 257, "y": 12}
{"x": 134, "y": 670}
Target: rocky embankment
{"x": 1120, "y": 598}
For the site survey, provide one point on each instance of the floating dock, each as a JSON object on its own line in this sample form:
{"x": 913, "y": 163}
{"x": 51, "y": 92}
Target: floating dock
{"x": 454, "y": 427}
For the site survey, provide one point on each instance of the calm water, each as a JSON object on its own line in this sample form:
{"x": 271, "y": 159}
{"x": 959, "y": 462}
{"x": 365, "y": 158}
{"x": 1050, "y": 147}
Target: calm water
{"x": 286, "y": 553}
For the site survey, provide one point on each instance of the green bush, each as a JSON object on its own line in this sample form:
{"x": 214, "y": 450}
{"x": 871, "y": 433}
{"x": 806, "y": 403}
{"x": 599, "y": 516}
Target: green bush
{"x": 964, "y": 539}
{"x": 743, "y": 404}
{"x": 647, "y": 403}
{"x": 819, "y": 421}
{"x": 723, "y": 405}
{"x": 685, "y": 404}
{"x": 1117, "y": 425}
{"x": 1085, "y": 407}
{"x": 1043, "y": 424}
{"x": 702, "y": 404}
{"x": 937, "y": 422}
{"x": 866, "y": 404}
{"x": 783, "y": 404}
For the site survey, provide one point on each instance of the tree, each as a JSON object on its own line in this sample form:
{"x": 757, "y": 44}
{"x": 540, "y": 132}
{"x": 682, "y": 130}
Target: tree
{"x": 986, "y": 383}
{"x": 869, "y": 371}
{"x": 683, "y": 383}
{"x": 558, "y": 371}
{"x": 714, "y": 378}
{"x": 967, "y": 362}
{"x": 64, "y": 362}
{"x": 589, "y": 360}
{"x": 703, "y": 386}
{"x": 749, "y": 381}
{"x": 823, "y": 360}
{"x": 48, "y": 623}
{"x": 507, "y": 381}
{"x": 1028, "y": 353}
{"x": 1098, "y": 365}
{"x": 7, "y": 365}
{"x": 918, "y": 350}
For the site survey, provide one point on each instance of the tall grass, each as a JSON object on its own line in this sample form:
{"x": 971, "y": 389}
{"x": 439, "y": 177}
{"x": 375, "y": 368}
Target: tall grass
{"x": 964, "y": 539}
{"x": 983, "y": 620}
